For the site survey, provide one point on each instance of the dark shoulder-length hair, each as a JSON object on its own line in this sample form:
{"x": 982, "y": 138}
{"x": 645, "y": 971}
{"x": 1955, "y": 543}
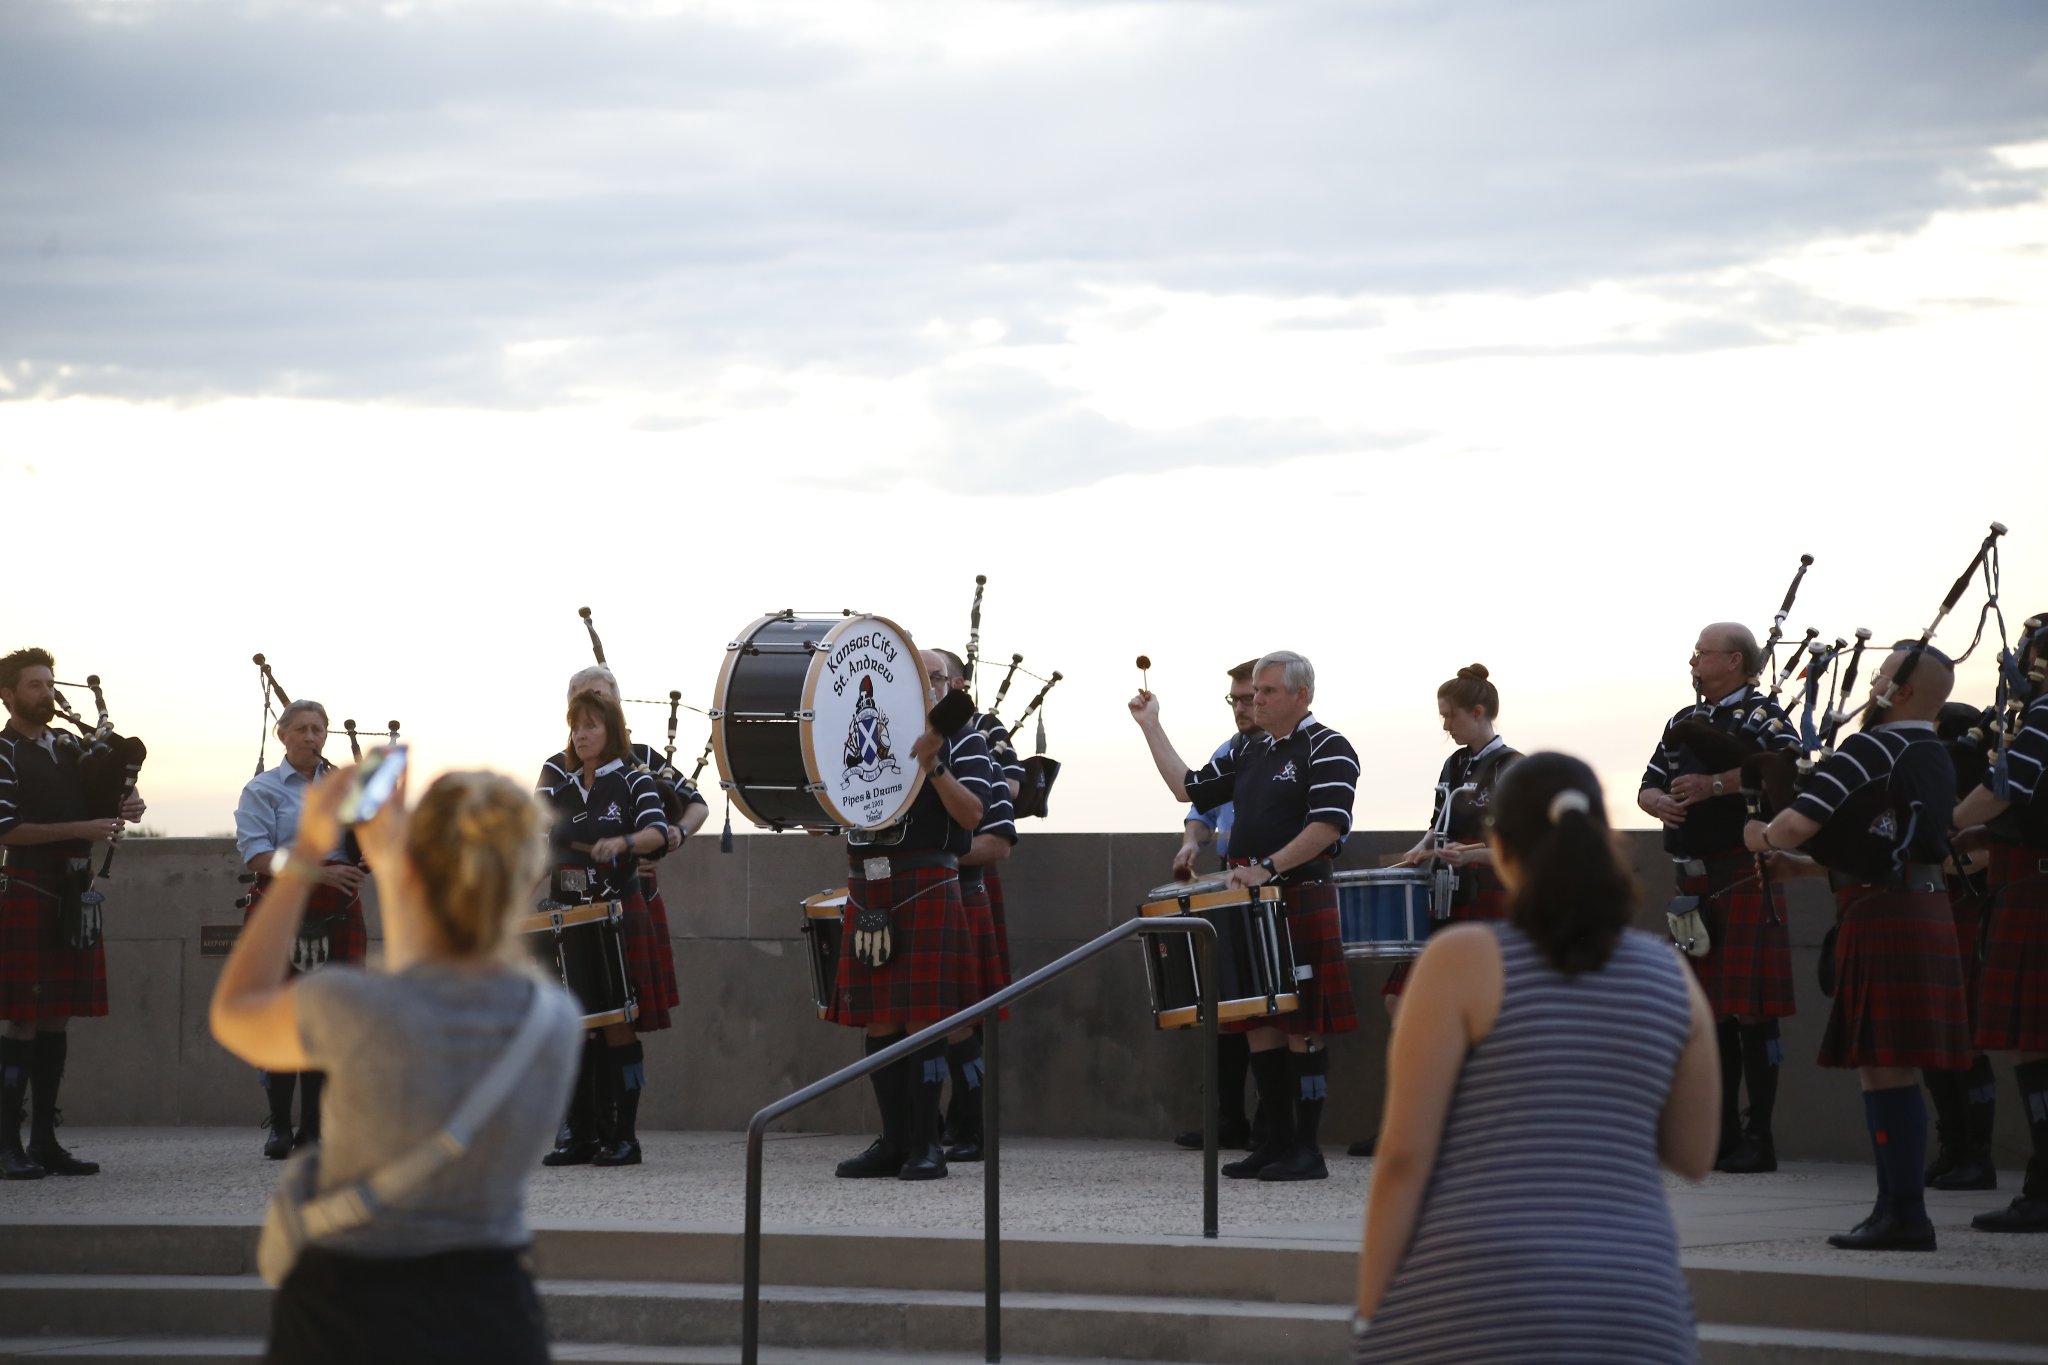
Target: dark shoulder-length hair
{"x": 597, "y": 706}
{"x": 1576, "y": 893}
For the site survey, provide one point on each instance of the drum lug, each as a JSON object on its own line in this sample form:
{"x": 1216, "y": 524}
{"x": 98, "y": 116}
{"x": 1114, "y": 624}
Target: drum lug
{"x": 807, "y": 715}
{"x": 717, "y": 713}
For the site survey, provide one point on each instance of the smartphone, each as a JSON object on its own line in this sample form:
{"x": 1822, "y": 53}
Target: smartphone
{"x": 373, "y": 784}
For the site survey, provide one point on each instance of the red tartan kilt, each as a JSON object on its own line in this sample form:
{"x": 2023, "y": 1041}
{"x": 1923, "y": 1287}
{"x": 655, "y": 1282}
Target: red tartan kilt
{"x": 671, "y": 995}
{"x": 645, "y": 951}
{"x": 40, "y": 977}
{"x": 1899, "y": 998}
{"x": 1489, "y": 902}
{"x": 993, "y": 880}
{"x": 1968, "y": 909}
{"x": 1326, "y": 1004}
{"x": 2012, "y": 994}
{"x": 1748, "y": 968}
{"x": 932, "y": 969}
{"x": 990, "y": 971}
{"x": 347, "y": 942}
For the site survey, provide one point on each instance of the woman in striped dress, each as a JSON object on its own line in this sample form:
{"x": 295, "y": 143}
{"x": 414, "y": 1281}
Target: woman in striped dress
{"x": 1541, "y": 1069}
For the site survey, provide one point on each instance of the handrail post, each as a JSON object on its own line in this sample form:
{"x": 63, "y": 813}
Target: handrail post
{"x": 992, "y": 1188}
{"x": 750, "y": 1270}
{"x": 1205, "y": 959}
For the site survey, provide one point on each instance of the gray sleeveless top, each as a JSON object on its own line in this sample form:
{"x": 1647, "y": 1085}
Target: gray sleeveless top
{"x": 1544, "y": 1234}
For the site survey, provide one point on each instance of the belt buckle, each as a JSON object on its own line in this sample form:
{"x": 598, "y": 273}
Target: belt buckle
{"x": 875, "y": 869}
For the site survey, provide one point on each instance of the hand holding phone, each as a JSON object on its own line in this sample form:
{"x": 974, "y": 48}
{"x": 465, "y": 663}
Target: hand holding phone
{"x": 373, "y": 784}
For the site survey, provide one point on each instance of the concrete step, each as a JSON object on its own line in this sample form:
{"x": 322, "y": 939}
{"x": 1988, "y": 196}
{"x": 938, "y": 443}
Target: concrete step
{"x": 242, "y": 1350}
{"x": 1721, "y": 1345}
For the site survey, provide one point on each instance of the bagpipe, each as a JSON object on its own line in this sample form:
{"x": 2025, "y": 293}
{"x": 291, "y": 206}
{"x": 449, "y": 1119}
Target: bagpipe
{"x": 108, "y": 763}
{"x": 669, "y": 781}
{"x": 1040, "y": 771}
{"x": 273, "y": 691}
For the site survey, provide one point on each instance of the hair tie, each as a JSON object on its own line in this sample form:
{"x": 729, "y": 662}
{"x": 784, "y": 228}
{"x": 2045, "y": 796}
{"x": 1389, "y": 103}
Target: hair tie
{"x": 1571, "y": 798}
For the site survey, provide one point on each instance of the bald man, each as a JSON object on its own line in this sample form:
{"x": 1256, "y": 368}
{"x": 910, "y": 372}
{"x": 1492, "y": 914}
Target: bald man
{"x": 1746, "y": 972}
{"x": 1875, "y": 817}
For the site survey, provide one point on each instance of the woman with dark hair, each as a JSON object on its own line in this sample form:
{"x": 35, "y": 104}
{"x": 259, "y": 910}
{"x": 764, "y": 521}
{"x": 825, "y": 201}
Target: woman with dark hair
{"x": 608, "y": 816}
{"x": 1540, "y": 1070}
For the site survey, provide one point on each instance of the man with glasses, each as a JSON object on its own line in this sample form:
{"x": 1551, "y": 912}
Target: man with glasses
{"x": 1746, "y": 972}
{"x": 1233, "y": 1051}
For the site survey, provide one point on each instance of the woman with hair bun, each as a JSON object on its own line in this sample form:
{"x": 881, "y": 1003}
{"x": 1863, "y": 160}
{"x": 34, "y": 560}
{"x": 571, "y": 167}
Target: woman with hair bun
{"x": 1540, "y": 1070}
{"x": 437, "y": 1270}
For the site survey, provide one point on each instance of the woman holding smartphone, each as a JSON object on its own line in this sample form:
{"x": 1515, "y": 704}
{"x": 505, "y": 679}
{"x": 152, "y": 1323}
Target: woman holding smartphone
{"x": 437, "y": 1275}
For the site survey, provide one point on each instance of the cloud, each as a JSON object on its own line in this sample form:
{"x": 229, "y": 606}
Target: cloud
{"x": 407, "y": 205}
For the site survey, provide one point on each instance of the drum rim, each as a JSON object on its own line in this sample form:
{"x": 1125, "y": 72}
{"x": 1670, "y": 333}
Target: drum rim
{"x": 812, "y": 903}
{"x": 1398, "y": 875}
{"x": 1266, "y": 894}
{"x": 735, "y": 792}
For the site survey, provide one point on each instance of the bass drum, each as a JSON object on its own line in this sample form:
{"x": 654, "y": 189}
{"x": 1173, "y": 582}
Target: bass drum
{"x": 813, "y": 721}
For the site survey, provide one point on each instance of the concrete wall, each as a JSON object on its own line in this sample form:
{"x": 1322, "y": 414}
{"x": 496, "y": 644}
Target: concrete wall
{"x": 1082, "y": 1057}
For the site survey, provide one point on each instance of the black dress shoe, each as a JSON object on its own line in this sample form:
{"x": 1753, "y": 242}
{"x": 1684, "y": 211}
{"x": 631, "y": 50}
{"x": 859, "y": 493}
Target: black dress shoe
{"x": 969, "y": 1150}
{"x": 879, "y": 1162}
{"x": 1751, "y": 1156}
{"x": 1235, "y": 1137}
{"x": 2024, "y": 1214}
{"x": 929, "y": 1164}
{"x": 57, "y": 1161}
{"x": 1971, "y": 1171}
{"x": 15, "y": 1165}
{"x": 278, "y": 1145}
{"x": 1885, "y": 1232}
{"x": 1363, "y": 1147}
{"x": 1946, "y": 1158}
{"x": 1248, "y": 1167}
{"x": 577, "y": 1151}
{"x": 1304, "y": 1163}
{"x": 624, "y": 1152}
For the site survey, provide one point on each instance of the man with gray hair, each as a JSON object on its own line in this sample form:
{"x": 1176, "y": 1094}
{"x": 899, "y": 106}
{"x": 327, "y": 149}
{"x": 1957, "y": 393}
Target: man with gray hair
{"x": 266, "y": 821}
{"x": 1291, "y": 789}
{"x": 1694, "y": 789}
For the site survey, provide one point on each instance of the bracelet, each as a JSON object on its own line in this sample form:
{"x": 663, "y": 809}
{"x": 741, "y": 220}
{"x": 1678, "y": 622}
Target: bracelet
{"x": 284, "y": 861}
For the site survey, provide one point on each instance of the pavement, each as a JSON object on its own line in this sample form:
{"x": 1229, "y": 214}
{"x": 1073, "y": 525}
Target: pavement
{"x": 1057, "y": 1187}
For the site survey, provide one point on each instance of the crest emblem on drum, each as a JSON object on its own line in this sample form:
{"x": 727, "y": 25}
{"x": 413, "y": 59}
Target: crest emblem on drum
{"x": 868, "y": 754}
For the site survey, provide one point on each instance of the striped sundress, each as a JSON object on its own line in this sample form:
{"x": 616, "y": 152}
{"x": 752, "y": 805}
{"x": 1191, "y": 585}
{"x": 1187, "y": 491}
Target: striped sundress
{"x": 1543, "y": 1233}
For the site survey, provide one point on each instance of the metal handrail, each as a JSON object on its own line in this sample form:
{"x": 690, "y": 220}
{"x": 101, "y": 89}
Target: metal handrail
{"x": 988, "y": 1013}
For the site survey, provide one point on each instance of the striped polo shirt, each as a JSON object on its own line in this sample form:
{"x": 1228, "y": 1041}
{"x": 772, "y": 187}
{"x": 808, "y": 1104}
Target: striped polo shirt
{"x": 1882, "y": 799}
{"x": 1278, "y": 787}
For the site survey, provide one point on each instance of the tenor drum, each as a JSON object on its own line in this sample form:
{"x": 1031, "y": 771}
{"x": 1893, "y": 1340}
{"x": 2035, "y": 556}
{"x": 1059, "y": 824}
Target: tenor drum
{"x": 824, "y": 922}
{"x": 1254, "y": 954}
{"x": 1385, "y": 912}
{"x": 813, "y": 721}
{"x": 582, "y": 947}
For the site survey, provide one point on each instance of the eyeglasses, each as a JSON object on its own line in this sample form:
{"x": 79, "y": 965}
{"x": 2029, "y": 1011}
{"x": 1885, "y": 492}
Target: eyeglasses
{"x": 1234, "y": 701}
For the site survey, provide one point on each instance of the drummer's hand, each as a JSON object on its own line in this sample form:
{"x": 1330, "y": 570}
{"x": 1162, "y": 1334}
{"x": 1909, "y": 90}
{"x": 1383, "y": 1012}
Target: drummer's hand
{"x": 1144, "y": 707}
{"x": 132, "y": 808}
{"x": 320, "y": 816}
{"x": 1184, "y": 862}
{"x": 926, "y": 750}
{"x": 1414, "y": 857}
{"x": 1241, "y": 877}
{"x": 343, "y": 876}
{"x": 1465, "y": 855}
{"x": 610, "y": 849}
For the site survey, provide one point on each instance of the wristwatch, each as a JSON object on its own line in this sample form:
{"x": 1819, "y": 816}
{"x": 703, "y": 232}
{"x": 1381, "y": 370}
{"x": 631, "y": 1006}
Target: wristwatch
{"x": 1267, "y": 863}
{"x": 1719, "y": 789}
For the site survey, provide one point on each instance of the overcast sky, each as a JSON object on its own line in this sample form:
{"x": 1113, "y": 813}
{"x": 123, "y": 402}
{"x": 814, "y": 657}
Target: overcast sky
{"x": 380, "y": 338}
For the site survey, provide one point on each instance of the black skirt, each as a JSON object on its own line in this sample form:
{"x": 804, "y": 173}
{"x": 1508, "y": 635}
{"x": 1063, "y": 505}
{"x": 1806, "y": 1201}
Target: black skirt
{"x": 453, "y": 1307}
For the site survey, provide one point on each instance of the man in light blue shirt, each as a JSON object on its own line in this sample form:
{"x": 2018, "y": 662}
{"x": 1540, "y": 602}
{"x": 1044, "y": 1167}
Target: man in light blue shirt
{"x": 1233, "y": 1055}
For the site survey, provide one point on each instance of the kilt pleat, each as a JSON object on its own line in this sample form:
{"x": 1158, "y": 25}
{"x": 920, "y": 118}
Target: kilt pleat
{"x": 1748, "y": 970}
{"x": 993, "y": 880}
{"x": 1318, "y": 938}
{"x": 990, "y": 971}
{"x": 41, "y": 977}
{"x": 664, "y": 945}
{"x": 1967, "y": 908}
{"x": 1899, "y": 997}
{"x": 644, "y": 951}
{"x": 2012, "y": 999}
{"x": 932, "y": 969}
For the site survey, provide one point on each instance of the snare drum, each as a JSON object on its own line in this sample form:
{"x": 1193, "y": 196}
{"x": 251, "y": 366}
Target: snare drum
{"x": 824, "y": 922}
{"x": 582, "y": 946}
{"x": 1385, "y": 912}
{"x": 1254, "y": 954}
{"x": 813, "y": 721}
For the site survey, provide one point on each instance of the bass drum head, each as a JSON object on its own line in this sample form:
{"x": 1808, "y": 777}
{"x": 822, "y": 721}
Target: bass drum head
{"x": 865, "y": 694}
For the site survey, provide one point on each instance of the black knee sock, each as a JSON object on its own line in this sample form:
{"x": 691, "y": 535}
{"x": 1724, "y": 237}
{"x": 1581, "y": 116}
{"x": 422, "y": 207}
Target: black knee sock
{"x": 1233, "y": 1061}
{"x": 1310, "y": 1072}
{"x": 311, "y": 1083}
{"x": 1901, "y": 1116}
{"x": 1761, "y": 1053}
{"x": 1728, "y": 1038}
{"x": 279, "y": 1087}
{"x": 629, "y": 1078}
{"x": 14, "y": 1060}
{"x": 1871, "y": 1125}
{"x": 2033, "y": 1083}
{"x": 964, "y": 1062}
{"x": 45, "y": 1076}
{"x": 1271, "y": 1073}
{"x": 925, "y": 1076}
{"x": 892, "y": 1088}
{"x": 1980, "y": 1097}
